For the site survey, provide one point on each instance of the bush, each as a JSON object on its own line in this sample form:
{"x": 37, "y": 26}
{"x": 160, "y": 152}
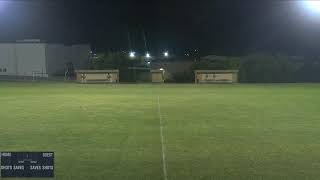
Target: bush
{"x": 217, "y": 63}
{"x": 261, "y": 68}
{"x": 119, "y": 61}
{"x": 182, "y": 77}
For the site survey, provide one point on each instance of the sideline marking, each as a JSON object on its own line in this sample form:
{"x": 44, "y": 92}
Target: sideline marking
{"x": 164, "y": 163}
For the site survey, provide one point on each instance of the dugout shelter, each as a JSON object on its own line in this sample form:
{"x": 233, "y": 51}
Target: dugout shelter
{"x": 97, "y": 76}
{"x": 216, "y": 76}
{"x": 157, "y": 76}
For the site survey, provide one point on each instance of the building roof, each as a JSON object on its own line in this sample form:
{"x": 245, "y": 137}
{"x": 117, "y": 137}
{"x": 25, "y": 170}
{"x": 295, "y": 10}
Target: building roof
{"x": 216, "y": 71}
{"x": 97, "y": 71}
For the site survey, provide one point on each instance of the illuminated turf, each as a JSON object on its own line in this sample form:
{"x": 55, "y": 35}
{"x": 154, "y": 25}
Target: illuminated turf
{"x": 210, "y": 131}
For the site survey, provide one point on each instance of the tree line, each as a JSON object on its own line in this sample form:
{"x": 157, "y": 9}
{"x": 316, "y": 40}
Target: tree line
{"x": 253, "y": 68}
{"x": 264, "y": 68}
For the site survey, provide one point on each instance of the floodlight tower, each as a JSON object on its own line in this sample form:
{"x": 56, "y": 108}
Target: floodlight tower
{"x": 132, "y": 54}
{"x": 148, "y": 55}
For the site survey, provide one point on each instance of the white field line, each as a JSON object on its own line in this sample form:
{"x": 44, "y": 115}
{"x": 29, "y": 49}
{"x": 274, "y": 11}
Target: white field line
{"x": 164, "y": 163}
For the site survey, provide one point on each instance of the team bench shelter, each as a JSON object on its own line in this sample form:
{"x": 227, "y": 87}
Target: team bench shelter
{"x": 216, "y": 76}
{"x": 157, "y": 76}
{"x": 97, "y": 76}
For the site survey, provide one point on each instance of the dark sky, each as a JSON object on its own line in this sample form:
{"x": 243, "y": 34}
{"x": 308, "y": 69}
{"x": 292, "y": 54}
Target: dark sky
{"x": 226, "y": 27}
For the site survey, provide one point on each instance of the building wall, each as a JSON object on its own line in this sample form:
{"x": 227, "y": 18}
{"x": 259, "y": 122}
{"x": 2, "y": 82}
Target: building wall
{"x": 7, "y": 59}
{"x": 157, "y": 77}
{"x": 22, "y": 59}
{"x": 30, "y": 57}
{"x": 216, "y": 77}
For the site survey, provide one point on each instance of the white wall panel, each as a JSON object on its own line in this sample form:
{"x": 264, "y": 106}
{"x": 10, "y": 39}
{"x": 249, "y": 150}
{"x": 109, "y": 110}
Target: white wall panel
{"x": 25, "y": 58}
{"x": 30, "y": 58}
{"x": 7, "y": 59}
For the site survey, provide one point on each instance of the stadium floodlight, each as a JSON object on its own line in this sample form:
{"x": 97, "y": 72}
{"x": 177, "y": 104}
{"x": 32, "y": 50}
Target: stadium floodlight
{"x": 148, "y": 55}
{"x": 312, "y": 5}
{"x": 132, "y": 54}
{"x": 166, "y": 54}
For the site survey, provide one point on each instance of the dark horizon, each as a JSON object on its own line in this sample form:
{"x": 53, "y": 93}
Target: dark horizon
{"x": 212, "y": 27}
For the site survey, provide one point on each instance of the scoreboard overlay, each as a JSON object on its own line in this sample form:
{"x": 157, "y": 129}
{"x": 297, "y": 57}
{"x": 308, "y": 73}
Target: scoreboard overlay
{"x": 27, "y": 164}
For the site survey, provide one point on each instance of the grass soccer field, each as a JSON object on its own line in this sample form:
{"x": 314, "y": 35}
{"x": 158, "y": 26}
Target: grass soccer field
{"x": 209, "y": 131}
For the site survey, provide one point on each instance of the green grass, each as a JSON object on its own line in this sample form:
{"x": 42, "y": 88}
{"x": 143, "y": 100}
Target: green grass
{"x": 211, "y": 131}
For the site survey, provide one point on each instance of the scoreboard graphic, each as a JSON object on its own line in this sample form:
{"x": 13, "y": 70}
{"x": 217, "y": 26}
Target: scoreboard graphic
{"x": 27, "y": 164}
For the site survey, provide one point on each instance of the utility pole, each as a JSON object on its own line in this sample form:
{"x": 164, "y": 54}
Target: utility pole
{"x": 145, "y": 40}
{"x": 129, "y": 40}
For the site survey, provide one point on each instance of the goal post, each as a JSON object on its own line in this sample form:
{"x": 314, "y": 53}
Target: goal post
{"x": 216, "y": 76}
{"x": 36, "y": 75}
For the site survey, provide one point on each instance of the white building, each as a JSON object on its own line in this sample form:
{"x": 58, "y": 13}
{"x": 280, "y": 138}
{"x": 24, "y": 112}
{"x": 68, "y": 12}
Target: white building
{"x": 30, "y": 57}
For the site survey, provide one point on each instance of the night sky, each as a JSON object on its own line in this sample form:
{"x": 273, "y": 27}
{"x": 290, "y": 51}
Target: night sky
{"x": 221, "y": 27}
